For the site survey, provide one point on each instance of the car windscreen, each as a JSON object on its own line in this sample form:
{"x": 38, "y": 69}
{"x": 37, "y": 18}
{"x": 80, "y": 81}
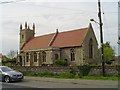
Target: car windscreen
{"x": 6, "y": 69}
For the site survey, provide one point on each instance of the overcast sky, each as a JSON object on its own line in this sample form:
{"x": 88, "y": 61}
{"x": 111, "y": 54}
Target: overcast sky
{"x": 48, "y": 16}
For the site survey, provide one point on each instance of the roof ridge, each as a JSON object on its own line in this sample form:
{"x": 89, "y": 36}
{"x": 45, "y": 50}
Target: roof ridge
{"x": 62, "y": 32}
{"x": 44, "y": 35}
{"x": 74, "y": 30}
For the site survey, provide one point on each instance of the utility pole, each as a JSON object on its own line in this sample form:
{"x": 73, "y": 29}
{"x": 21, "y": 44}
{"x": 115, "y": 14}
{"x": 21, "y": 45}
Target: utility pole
{"x": 101, "y": 38}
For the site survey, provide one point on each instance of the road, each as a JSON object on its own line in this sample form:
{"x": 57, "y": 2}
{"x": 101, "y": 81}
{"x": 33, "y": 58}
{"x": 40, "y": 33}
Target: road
{"x": 36, "y": 82}
{"x": 7, "y": 85}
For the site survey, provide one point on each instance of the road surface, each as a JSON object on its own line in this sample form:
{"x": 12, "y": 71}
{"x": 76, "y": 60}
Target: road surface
{"x": 36, "y": 82}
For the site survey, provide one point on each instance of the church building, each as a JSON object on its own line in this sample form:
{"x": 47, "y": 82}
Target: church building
{"x": 77, "y": 47}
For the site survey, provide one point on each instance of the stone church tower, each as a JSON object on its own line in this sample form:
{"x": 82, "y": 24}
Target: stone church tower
{"x": 26, "y": 34}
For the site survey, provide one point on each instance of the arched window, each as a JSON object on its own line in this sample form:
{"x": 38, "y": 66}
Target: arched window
{"x": 44, "y": 56}
{"x": 27, "y": 57}
{"x": 72, "y": 54}
{"x": 56, "y": 56}
{"x": 91, "y": 49}
{"x": 35, "y": 57}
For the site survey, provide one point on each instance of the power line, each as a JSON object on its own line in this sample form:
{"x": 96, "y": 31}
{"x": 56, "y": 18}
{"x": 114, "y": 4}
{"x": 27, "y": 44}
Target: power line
{"x": 6, "y": 2}
{"x": 82, "y": 11}
{"x": 64, "y": 8}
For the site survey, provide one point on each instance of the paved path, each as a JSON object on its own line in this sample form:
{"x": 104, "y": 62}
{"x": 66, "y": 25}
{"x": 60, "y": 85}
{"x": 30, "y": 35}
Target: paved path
{"x": 41, "y": 82}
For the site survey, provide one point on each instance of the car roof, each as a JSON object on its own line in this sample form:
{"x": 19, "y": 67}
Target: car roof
{"x": 2, "y": 66}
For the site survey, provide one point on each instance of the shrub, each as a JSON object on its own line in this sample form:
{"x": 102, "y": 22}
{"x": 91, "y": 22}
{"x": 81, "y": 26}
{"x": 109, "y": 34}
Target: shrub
{"x": 60, "y": 62}
{"x": 28, "y": 73}
{"x": 42, "y": 74}
{"x": 66, "y": 75}
{"x": 46, "y": 74}
{"x": 108, "y": 62}
{"x": 84, "y": 69}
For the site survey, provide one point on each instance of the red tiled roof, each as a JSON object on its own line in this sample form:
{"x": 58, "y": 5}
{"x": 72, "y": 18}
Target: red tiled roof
{"x": 70, "y": 38}
{"x": 38, "y": 42}
{"x": 63, "y": 39}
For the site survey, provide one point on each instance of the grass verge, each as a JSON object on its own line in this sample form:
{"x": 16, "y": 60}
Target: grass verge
{"x": 70, "y": 76}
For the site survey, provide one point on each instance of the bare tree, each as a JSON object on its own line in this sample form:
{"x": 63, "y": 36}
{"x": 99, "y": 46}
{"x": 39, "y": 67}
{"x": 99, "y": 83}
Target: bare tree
{"x": 12, "y": 54}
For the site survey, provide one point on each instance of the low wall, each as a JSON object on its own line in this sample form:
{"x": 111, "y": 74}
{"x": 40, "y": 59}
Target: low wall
{"x": 40, "y": 69}
{"x": 95, "y": 71}
{"x": 109, "y": 71}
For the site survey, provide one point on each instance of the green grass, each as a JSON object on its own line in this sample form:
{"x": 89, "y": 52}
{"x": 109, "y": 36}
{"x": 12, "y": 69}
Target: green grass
{"x": 70, "y": 76}
{"x": 100, "y": 78}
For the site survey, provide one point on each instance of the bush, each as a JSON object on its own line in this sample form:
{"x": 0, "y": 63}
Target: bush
{"x": 108, "y": 62}
{"x": 28, "y": 73}
{"x": 84, "y": 69}
{"x": 66, "y": 75}
{"x": 46, "y": 74}
{"x": 60, "y": 62}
